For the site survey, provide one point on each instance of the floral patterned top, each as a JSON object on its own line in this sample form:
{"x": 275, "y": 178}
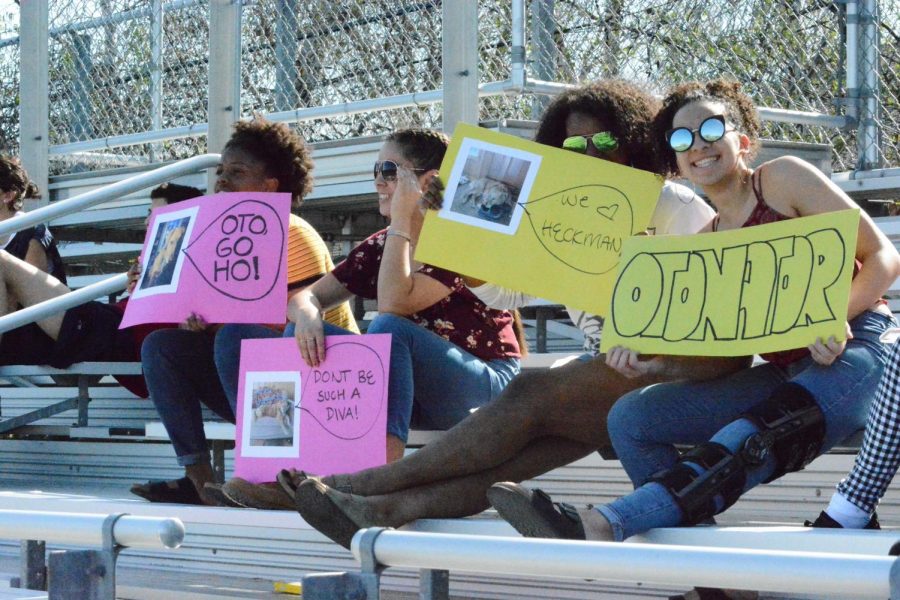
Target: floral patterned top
{"x": 460, "y": 317}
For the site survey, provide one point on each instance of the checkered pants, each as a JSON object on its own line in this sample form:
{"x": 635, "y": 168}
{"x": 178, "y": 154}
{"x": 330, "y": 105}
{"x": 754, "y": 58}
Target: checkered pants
{"x": 879, "y": 456}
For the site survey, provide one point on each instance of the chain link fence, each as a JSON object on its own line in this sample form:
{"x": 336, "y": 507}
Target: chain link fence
{"x": 9, "y": 79}
{"x": 117, "y": 67}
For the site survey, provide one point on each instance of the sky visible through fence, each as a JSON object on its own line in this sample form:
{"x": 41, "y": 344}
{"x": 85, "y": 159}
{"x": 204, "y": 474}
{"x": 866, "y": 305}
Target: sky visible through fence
{"x": 108, "y": 56}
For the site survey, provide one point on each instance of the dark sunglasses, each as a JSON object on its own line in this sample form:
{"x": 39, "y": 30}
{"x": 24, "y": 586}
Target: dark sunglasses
{"x": 712, "y": 129}
{"x": 602, "y": 142}
{"x": 388, "y": 170}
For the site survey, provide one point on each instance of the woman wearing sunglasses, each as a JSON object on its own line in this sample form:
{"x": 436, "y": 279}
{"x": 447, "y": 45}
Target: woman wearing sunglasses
{"x": 450, "y": 354}
{"x": 762, "y": 421}
{"x": 544, "y": 419}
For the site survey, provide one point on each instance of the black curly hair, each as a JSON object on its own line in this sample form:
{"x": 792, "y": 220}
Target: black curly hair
{"x": 424, "y": 148}
{"x": 624, "y": 107}
{"x": 282, "y": 151}
{"x": 739, "y": 109}
{"x": 13, "y": 178}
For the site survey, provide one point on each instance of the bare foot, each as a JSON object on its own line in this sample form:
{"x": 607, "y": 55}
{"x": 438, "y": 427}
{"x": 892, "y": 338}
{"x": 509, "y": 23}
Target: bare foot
{"x": 596, "y": 527}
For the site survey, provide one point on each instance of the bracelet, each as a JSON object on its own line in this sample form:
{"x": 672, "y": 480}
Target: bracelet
{"x": 391, "y": 231}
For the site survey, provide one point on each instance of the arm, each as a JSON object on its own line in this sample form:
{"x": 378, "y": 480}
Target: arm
{"x": 401, "y": 290}
{"x": 37, "y": 256}
{"x": 495, "y": 296}
{"x": 695, "y": 368}
{"x": 880, "y": 261}
{"x": 306, "y": 309}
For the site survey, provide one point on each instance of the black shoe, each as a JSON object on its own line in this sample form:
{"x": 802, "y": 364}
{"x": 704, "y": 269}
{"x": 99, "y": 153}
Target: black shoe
{"x": 826, "y": 522}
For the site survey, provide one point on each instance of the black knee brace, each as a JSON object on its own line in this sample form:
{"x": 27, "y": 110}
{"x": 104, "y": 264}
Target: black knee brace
{"x": 791, "y": 428}
{"x": 695, "y": 494}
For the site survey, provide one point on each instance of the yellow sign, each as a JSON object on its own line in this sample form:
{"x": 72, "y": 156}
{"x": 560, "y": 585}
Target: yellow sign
{"x": 741, "y": 292}
{"x": 540, "y": 220}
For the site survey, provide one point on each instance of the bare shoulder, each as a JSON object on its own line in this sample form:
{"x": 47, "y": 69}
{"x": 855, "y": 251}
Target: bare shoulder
{"x": 792, "y": 183}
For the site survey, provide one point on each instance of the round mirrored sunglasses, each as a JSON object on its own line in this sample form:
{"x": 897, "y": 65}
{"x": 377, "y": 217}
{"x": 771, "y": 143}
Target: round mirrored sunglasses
{"x": 712, "y": 129}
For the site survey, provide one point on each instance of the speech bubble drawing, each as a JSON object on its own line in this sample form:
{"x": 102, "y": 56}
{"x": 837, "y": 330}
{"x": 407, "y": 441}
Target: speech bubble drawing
{"x": 346, "y": 402}
{"x": 583, "y": 227}
{"x": 227, "y": 252}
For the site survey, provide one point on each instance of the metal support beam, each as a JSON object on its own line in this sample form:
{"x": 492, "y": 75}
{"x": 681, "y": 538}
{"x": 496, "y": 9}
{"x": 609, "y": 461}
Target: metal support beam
{"x": 459, "y": 35}
{"x": 224, "y": 107}
{"x": 86, "y": 574}
{"x": 32, "y": 566}
{"x": 156, "y": 65}
{"x": 434, "y": 584}
{"x": 34, "y": 129}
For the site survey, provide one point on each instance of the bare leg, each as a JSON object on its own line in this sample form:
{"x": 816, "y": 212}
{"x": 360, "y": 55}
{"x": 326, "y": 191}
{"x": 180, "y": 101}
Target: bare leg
{"x": 460, "y": 496}
{"x": 29, "y": 285}
{"x": 571, "y": 402}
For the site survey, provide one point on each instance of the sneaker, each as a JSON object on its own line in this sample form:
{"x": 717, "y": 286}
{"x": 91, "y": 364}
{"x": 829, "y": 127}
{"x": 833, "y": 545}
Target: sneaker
{"x": 826, "y": 522}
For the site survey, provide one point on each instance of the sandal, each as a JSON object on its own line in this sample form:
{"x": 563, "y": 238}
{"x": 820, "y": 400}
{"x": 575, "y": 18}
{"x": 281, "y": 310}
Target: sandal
{"x": 178, "y": 491}
{"x": 214, "y": 493}
{"x": 264, "y": 496}
{"x": 534, "y": 514}
{"x": 290, "y": 480}
{"x": 317, "y": 509}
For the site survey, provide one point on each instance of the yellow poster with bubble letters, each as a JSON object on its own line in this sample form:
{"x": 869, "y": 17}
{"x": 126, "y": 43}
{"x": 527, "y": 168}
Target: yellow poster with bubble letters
{"x": 540, "y": 220}
{"x": 735, "y": 293}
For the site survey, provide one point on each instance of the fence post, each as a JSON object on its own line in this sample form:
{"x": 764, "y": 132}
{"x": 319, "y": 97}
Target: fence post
{"x": 34, "y": 128}
{"x": 459, "y": 35}
{"x": 544, "y": 55}
{"x": 156, "y": 66}
{"x": 869, "y": 57}
{"x": 86, "y": 574}
{"x": 224, "y": 106}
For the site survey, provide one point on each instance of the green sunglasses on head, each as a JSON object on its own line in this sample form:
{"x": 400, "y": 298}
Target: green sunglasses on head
{"x": 602, "y": 141}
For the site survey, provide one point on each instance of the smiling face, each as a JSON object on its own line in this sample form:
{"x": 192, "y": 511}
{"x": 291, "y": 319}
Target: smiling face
{"x": 579, "y": 123}
{"x": 390, "y": 151}
{"x": 239, "y": 171}
{"x": 707, "y": 163}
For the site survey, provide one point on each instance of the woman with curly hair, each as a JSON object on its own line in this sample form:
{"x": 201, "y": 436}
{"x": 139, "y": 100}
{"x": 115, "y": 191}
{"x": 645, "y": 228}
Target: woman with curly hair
{"x": 450, "y": 353}
{"x": 35, "y": 245}
{"x": 543, "y": 419}
{"x": 761, "y": 422}
{"x": 198, "y": 363}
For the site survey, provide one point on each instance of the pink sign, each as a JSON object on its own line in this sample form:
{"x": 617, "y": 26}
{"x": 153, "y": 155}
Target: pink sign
{"x": 223, "y": 257}
{"x": 323, "y": 420}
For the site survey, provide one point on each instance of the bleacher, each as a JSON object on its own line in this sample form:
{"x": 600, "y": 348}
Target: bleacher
{"x": 84, "y": 461}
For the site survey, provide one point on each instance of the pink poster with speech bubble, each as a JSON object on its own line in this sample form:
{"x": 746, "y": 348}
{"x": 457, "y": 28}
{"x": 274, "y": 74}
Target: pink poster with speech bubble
{"x": 322, "y": 420}
{"x": 223, "y": 257}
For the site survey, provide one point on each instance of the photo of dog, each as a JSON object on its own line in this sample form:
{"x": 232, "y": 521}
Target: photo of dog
{"x": 272, "y": 414}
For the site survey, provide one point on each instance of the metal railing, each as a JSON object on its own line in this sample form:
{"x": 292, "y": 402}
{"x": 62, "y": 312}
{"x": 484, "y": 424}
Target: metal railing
{"x": 62, "y": 208}
{"x": 129, "y": 84}
{"x": 81, "y": 574}
{"x": 807, "y": 573}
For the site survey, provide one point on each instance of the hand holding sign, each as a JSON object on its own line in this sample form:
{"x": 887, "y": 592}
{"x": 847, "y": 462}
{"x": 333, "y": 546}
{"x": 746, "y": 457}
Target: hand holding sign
{"x": 761, "y": 289}
{"x": 326, "y": 419}
{"x": 212, "y": 256}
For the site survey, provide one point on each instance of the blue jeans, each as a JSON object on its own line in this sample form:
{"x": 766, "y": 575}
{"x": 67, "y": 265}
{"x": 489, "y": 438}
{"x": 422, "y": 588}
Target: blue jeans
{"x": 433, "y": 383}
{"x": 228, "y": 354}
{"x": 645, "y": 425}
{"x": 181, "y": 374}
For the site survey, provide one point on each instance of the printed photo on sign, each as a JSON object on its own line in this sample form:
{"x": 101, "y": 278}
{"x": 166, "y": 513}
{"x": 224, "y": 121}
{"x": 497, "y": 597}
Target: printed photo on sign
{"x": 162, "y": 268}
{"x": 488, "y": 186}
{"x": 271, "y": 424}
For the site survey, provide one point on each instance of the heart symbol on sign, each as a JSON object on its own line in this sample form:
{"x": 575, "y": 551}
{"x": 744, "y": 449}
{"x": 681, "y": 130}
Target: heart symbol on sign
{"x": 608, "y": 212}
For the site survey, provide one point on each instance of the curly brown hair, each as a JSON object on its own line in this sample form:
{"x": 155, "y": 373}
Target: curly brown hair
{"x": 13, "y": 178}
{"x": 739, "y": 109}
{"x": 424, "y": 148}
{"x": 282, "y": 151}
{"x": 624, "y": 107}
